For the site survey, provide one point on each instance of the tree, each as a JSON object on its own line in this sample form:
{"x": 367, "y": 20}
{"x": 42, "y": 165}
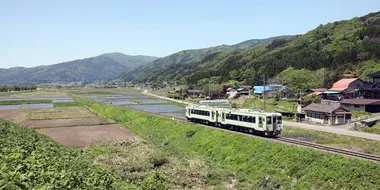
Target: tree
{"x": 366, "y": 68}
{"x": 299, "y": 80}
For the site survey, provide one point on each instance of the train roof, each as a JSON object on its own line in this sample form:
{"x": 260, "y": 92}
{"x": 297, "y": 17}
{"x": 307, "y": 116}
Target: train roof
{"x": 236, "y": 110}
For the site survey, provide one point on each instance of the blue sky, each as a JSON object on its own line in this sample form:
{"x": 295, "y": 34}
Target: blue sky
{"x": 47, "y": 32}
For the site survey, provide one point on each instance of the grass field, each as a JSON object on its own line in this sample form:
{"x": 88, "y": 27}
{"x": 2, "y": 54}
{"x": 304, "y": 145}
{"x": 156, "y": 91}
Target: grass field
{"x": 271, "y": 105}
{"x": 21, "y": 102}
{"x": 254, "y": 163}
{"x": 334, "y": 140}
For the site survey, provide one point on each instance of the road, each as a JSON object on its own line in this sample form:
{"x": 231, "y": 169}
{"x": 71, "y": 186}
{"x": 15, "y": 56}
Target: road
{"x": 330, "y": 129}
{"x": 337, "y": 130}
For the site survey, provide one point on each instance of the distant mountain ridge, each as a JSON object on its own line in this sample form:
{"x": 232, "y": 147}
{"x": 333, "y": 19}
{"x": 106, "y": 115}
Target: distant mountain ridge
{"x": 338, "y": 47}
{"x": 163, "y": 64}
{"x": 88, "y": 69}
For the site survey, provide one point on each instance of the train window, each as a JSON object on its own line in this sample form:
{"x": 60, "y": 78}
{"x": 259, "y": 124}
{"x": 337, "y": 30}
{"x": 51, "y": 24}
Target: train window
{"x": 249, "y": 119}
{"x": 260, "y": 120}
{"x": 269, "y": 120}
{"x": 254, "y": 120}
{"x": 279, "y": 120}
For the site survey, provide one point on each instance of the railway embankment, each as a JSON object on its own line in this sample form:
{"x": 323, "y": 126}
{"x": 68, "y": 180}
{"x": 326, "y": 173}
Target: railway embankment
{"x": 255, "y": 163}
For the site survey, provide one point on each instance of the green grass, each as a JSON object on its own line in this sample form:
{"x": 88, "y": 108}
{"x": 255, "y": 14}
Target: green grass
{"x": 374, "y": 129}
{"x": 66, "y": 104}
{"x": 271, "y": 104}
{"x": 256, "y": 163}
{"x": 336, "y": 140}
{"x": 32, "y": 161}
{"x": 20, "y": 102}
{"x": 137, "y": 161}
{"x": 360, "y": 114}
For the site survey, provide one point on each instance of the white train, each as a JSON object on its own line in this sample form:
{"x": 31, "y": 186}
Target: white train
{"x": 268, "y": 124}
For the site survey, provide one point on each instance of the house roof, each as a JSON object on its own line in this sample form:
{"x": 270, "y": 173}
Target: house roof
{"x": 377, "y": 74}
{"x": 260, "y": 89}
{"x": 324, "y": 108}
{"x": 360, "y": 101}
{"x": 195, "y": 91}
{"x": 318, "y": 89}
{"x": 343, "y": 84}
{"x": 315, "y": 93}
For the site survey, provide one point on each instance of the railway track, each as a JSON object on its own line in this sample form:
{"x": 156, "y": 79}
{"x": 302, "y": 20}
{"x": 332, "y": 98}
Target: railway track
{"x": 329, "y": 149}
{"x": 286, "y": 140}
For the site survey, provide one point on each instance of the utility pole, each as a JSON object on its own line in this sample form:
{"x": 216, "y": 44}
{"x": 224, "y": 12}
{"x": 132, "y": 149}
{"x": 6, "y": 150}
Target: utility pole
{"x": 209, "y": 92}
{"x": 264, "y": 92}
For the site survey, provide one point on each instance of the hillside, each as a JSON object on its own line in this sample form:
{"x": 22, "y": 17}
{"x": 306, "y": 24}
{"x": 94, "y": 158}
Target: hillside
{"x": 162, "y": 66}
{"x": 89, "y": 69}
{"x": 340, "y": 47}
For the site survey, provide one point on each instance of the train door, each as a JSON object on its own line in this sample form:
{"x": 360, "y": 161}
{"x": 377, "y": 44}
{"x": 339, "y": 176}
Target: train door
{"x": 223, "y": 117}
{"x": 212, "y": 116}
{"x": 261, "y": 122}
{"x": 217, "y": 117}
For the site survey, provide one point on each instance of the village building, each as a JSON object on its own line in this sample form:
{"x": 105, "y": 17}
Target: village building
{"x": 375, "y": 77}
{"x": 367, "y": 105}
{"x": 344, "y": 89}
{"x": 194, "y": 92}
{"x": 332, "y": 114}
{"x": 268, "y": 89}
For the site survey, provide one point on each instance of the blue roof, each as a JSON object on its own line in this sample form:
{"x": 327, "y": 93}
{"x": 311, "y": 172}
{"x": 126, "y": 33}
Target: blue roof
{"x": 260, "y": 89}
{"x": 268, "y": 88}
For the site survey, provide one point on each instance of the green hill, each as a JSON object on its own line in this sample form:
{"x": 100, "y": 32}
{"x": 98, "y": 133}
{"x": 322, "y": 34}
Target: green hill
{"x": 90, "y": 69}
{"x": 340, "y": 47}
{"x": 163, "y": 66}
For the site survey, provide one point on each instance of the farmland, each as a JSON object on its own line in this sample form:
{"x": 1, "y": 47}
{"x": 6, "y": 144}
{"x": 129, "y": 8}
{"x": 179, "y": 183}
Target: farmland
{"x": 172, "y": 154}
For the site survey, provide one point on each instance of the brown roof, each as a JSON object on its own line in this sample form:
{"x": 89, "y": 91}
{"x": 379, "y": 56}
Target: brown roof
{"x": 360, "y": 101}
{"x": 343, "y": 84}
{"x": 322, "y": 108}
{"x": 318, "y": 89}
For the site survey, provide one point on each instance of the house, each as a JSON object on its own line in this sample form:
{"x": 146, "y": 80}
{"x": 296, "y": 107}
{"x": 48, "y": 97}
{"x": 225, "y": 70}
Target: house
{"x": 315, "y": 91}
{"x": 194, "y": 92}
{"x": 259, "y": 90}
{"x": 375, "y": 77}
{"x": 332, "y": 114}
{"x": 344, "y": 88}
{"x": 368, "y": 105}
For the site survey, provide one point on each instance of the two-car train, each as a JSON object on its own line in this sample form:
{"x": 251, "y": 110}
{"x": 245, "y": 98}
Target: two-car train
{"x": 268, "y": 124}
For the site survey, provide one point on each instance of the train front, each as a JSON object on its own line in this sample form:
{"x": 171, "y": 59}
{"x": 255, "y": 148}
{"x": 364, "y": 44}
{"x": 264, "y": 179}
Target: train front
{"x": 274, "y": 124}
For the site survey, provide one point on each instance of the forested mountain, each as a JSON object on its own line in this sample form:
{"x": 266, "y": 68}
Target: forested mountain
{"x": 343, "y": 46}
{"x": 154, "y": 70}
{"x": 89, "y": 69}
